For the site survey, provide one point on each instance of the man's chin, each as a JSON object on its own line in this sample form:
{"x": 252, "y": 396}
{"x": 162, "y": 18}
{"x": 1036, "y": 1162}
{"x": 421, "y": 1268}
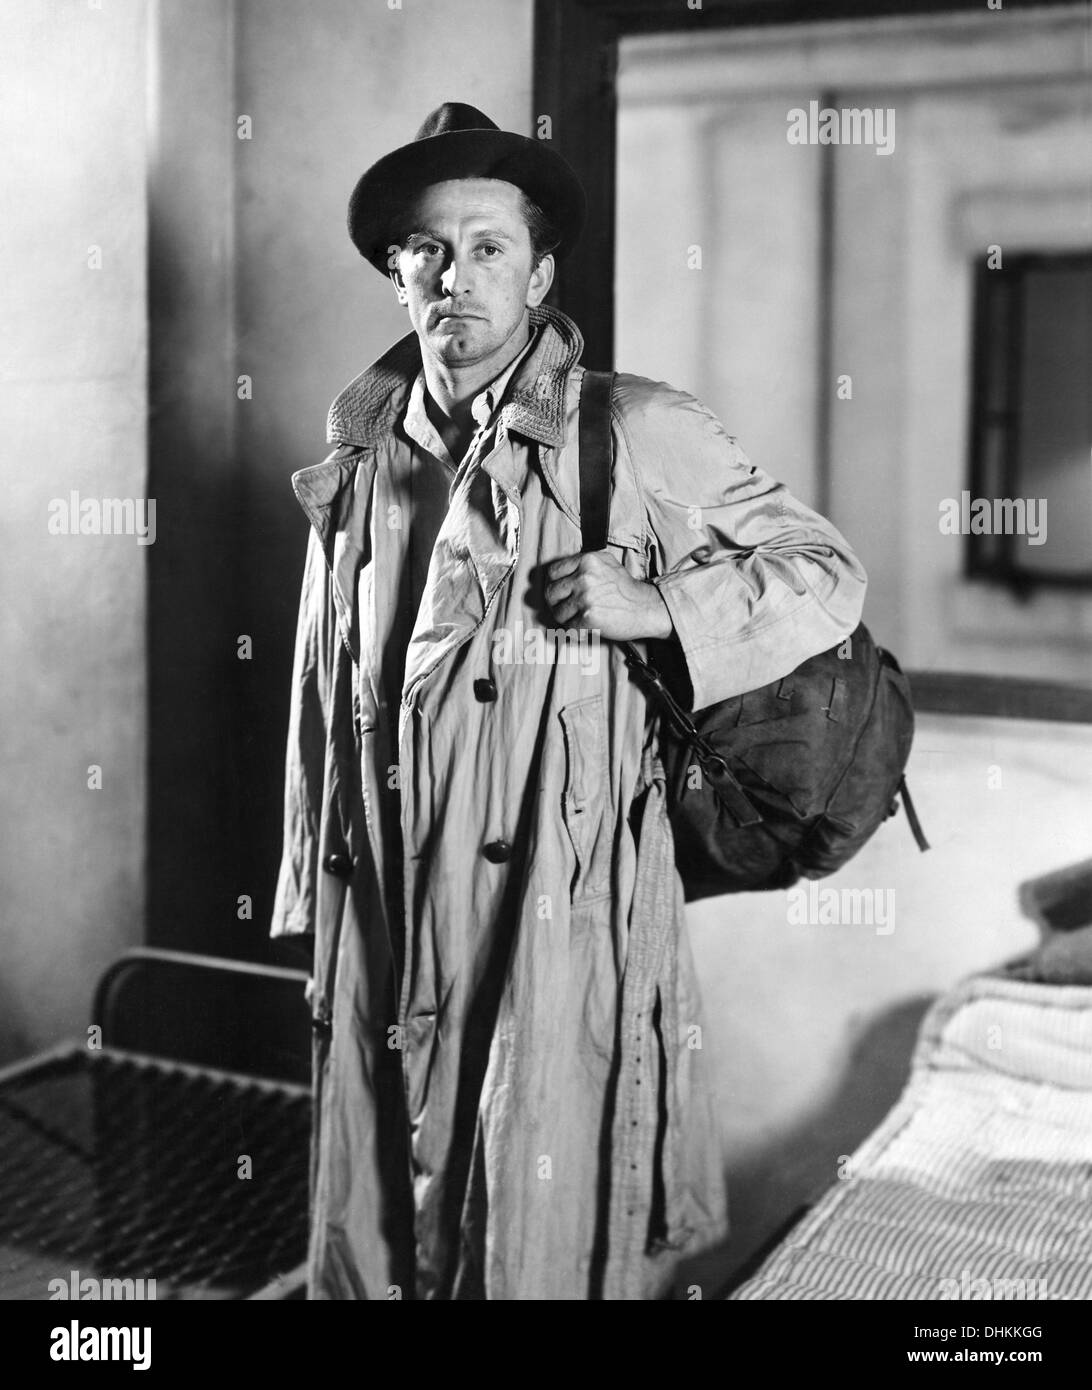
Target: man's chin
{"x": 457, "y": 342}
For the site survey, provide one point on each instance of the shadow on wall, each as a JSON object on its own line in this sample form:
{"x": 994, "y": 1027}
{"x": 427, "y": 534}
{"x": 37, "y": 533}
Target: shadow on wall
{"x": 767, "y": 1192}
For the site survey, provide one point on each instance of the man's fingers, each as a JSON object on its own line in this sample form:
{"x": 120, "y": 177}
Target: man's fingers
{"x": 564, "y": 601}
{"x": 576, "y": 586}
{"x": 567, "y": 611}
{"x": 561, "y": 569}
{"x": 562, "y": 589}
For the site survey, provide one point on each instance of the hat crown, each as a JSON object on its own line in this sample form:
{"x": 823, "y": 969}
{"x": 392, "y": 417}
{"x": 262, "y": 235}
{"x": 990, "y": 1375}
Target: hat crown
{"x": 453, "y": 116}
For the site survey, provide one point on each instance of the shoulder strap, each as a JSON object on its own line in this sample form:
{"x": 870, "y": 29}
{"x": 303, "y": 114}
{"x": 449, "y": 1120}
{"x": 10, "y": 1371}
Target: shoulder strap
{"x": 594, "y": 445}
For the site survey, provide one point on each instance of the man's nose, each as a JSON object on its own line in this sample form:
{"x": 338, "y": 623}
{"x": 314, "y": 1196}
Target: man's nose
{"x": 456, "y": 277}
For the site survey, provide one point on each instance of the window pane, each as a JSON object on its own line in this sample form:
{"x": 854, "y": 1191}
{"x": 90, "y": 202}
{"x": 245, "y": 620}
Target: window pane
{"x": 1053, "y": 458}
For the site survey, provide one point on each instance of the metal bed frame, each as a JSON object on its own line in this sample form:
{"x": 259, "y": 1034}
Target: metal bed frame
{"x": 171, "y": 1145}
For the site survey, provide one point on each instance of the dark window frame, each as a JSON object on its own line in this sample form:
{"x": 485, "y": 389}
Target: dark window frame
{"x": 575, "y": 67}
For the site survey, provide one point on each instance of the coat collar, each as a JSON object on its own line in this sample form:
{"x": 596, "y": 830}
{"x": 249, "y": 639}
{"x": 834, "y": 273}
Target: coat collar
{"x": 370, "y": 406}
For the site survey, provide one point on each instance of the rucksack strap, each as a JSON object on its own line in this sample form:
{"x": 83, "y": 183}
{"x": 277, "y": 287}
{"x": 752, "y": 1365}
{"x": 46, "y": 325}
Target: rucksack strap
{"x": 912, "y": 816}
{"x": 595, "y": 458}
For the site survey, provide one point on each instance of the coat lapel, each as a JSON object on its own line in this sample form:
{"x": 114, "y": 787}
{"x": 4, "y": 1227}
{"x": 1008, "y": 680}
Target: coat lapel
{"x": 336, "y": 496}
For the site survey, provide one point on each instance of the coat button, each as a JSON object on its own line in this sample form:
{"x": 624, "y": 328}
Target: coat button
{"x": 339, "y": 864}
{"x": 485, "y": 690}
{"x": 498, "y": 851}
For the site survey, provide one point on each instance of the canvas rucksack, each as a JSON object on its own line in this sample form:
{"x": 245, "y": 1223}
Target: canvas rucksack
{"x": 782, "y": 782}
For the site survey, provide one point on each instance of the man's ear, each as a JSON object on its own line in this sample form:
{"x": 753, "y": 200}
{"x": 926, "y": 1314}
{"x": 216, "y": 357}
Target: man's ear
{"x": 399, "y": 287}
{"x": 542, "y": 277}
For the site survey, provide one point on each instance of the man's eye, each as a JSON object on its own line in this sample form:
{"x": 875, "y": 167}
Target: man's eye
{"x": 427, "y": 248}
{"x": 489, "y": 250}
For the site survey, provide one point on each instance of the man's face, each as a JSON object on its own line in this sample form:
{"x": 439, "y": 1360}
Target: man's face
{"x": 465, "y": 271}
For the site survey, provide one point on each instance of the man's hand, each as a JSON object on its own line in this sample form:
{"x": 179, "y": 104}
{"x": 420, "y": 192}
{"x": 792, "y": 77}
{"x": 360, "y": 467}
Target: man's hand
{"x": 593, "y": 591}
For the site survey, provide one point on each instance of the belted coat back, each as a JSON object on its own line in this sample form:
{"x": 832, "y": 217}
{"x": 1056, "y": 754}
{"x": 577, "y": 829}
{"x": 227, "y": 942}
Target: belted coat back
{"x": 512, "y": 1096}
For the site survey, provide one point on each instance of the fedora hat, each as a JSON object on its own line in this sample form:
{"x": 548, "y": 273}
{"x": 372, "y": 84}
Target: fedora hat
{"x": 458, "y": 141}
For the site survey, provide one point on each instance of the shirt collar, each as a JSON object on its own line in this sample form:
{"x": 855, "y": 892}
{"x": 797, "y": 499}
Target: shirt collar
{"x": 483, "y": 407}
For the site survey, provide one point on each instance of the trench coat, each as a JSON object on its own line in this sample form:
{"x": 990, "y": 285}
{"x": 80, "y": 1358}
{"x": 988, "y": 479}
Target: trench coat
{"x": 512, "y": 1087}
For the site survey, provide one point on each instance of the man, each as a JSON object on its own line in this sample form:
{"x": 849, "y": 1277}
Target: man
{"x": 508, "y": 1099}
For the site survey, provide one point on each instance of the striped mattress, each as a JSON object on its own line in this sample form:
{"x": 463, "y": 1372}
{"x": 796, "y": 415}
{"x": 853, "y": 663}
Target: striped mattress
{"x": 978, "y": 1184}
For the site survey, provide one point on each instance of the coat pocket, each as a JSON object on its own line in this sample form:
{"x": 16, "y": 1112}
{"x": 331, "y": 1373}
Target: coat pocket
{"x": 585, "y": 799}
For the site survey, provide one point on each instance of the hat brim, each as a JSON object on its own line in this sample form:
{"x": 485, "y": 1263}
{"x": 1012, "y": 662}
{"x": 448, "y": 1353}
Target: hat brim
{"x": 382, "y": 192}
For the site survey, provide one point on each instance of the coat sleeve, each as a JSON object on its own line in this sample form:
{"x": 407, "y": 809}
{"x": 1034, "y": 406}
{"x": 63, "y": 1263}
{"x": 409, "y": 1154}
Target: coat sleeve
{"x": 755, "y": 581}
{"x": 297, "y": 881}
